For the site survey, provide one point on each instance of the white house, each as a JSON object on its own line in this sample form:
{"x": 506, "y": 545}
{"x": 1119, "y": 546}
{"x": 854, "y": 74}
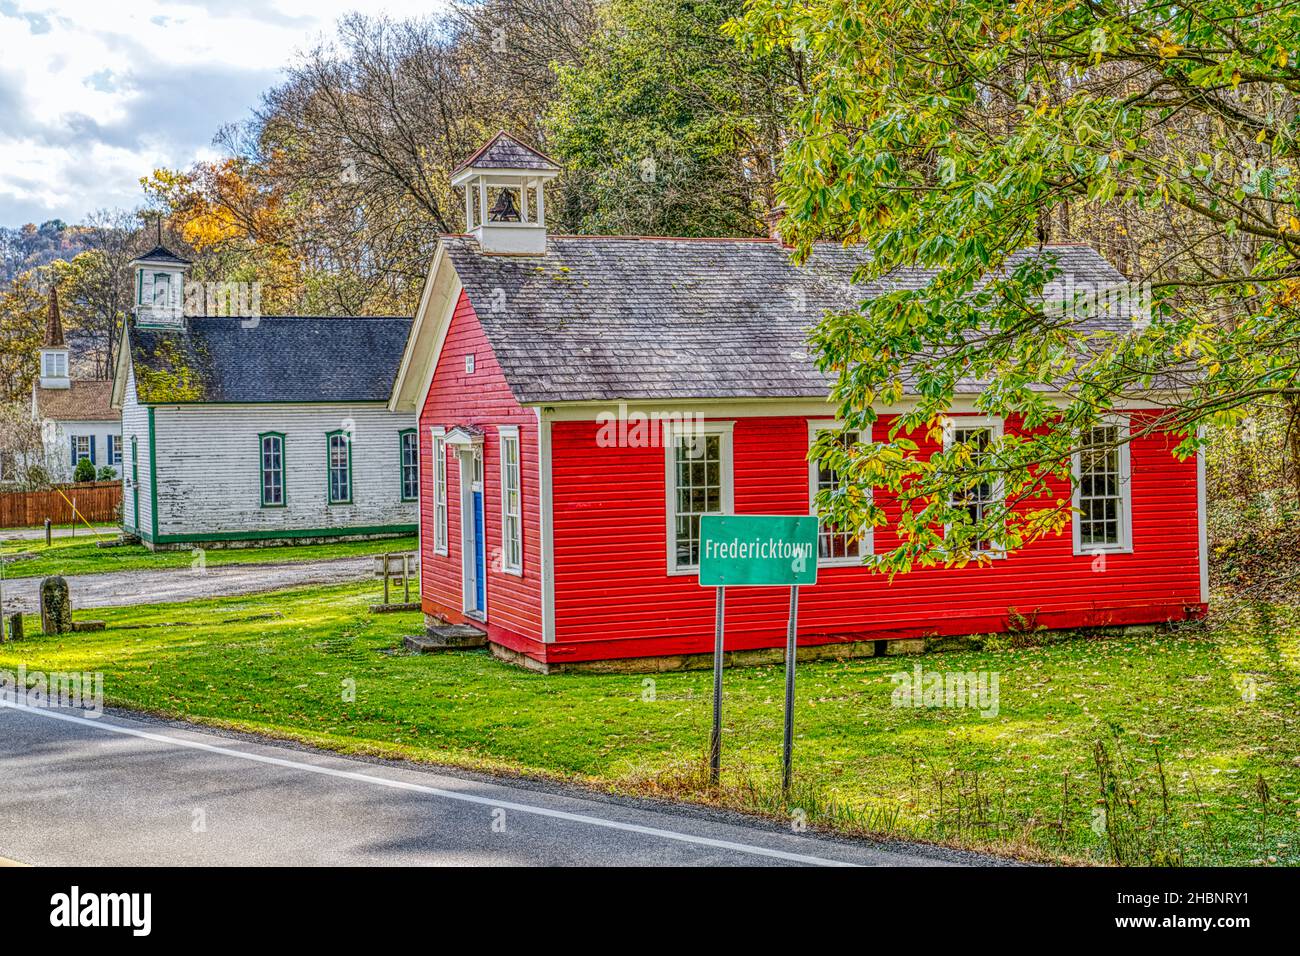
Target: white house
{"x": 77, "y": 418}
{"x": 240, "y": 430}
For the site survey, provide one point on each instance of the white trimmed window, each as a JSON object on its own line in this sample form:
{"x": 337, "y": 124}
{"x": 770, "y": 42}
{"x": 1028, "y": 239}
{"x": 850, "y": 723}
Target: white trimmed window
{"x": 439, "y": 443}
{"x": 115, "y": 449}
{"x": 697, "y": 465}
{"x": 979, "y": 432}
{"x": 339, "y": 464}
{"x": 81, "y": 448}
{"x": 1102, "y": 495}
{"x": 272, "y": 470}
{"x": 833, "y": 545}
{"x": 54, "y": 364}
{"x": 512, "y": 536}
{"x": 410, "y": 455}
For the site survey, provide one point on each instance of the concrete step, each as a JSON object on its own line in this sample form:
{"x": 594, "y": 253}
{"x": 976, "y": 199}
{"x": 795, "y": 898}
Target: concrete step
{"x": 446, "y": 637}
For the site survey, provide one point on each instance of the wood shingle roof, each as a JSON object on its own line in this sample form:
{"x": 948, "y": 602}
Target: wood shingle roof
{"x": 85, "y": 400}
{"x": 503, "y": 151}
{"x": 601, "y": 318}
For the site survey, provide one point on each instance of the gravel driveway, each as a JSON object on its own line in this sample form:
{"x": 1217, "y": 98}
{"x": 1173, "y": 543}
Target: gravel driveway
{"x": 124, "y": 588}
{"x": 36, "y": 534}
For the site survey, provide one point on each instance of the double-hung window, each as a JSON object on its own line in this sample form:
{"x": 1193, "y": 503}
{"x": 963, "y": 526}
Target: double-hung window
{"x": 984, "y": 496}
{"x": 410, "y": 464}
{"x": 339, "y": 462}
{"x": 54, "y": 364}
{"x": 512, "y": 539}
{"x": 834, "y": 546}
{"x": 115, "y": 449}
{"x": 272, "y": 452}
{"x": 272, "y": 470}
{"x": 698, "y": 482}
{"x": 82, "y": 448}
{"x": 439, "y": 448}
{"x": 1103, "y": 506}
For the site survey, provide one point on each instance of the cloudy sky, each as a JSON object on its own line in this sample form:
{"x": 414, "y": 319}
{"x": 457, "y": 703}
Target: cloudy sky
{"x": 95, "y": 94}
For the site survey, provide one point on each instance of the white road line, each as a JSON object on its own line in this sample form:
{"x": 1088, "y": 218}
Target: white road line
{"x": 434, "y": 791}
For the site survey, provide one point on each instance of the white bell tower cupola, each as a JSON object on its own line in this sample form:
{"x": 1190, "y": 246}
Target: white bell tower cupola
{"x": 54, "y": 353}
{"x": 505, "y": 196}
{"x": 160, "y": 289}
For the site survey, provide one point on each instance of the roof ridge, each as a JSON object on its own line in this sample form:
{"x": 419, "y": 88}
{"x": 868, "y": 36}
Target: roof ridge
{"x": 331, "y": 318}
{"x": 762, "y": 239}
{"x": 1063, "y": 243}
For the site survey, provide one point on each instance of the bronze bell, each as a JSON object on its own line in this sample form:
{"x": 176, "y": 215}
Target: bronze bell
{"x": 504, "y": 209}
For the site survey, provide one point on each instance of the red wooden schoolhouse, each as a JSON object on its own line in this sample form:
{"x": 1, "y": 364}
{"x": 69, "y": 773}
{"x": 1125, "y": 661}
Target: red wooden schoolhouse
{"x": 583, "y": 400}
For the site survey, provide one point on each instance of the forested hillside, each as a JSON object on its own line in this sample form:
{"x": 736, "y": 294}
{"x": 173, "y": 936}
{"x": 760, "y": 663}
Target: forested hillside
{"x": 30, "y": 246}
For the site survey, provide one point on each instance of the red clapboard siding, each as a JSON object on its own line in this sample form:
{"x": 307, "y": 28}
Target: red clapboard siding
{"x": 482, "y": 399}
{"x": 614, "y": 597}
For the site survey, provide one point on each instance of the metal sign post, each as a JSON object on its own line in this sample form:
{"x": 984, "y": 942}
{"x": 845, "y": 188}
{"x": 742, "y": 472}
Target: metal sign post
{"x": 787, "y": 745}
{"x": 758, "y": 551}
{"x": 715, "y": 739}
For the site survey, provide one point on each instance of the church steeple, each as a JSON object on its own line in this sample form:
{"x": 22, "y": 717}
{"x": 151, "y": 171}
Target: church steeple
{"x": 54, "y": 353}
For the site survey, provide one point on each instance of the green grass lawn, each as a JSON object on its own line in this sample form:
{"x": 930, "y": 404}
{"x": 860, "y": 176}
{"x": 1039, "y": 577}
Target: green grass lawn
{"x": 1197, "y": 730}
{"x": 81, "y": 555}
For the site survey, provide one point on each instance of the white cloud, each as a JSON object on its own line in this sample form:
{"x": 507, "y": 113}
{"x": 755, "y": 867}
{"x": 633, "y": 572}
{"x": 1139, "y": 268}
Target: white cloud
{"x": 96, "y": 94}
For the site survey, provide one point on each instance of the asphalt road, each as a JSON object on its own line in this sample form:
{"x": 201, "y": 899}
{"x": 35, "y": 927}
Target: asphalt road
{"x": 124, "y": 588}
{"x": 124, "y": 790}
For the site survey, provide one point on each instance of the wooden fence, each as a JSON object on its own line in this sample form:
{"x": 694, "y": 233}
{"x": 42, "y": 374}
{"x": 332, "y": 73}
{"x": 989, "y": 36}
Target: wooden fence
{"x": 97, "y": 502}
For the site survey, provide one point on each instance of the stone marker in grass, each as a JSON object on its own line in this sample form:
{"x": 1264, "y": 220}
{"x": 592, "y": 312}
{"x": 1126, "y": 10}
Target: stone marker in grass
{"x": 56, "y": 606}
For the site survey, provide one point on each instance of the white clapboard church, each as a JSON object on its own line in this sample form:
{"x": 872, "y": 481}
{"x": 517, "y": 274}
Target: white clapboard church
{"x": 245, "y": 430}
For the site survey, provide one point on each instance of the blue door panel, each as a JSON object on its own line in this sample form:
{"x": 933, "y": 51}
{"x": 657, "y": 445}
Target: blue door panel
{"x": 480, "y": 564}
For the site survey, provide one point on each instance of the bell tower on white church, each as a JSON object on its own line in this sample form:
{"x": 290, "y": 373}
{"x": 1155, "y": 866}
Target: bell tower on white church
{"x": 160, "y": 289}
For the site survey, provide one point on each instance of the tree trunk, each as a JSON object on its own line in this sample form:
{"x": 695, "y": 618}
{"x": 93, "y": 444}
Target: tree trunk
{"x": 1293, "y": 445}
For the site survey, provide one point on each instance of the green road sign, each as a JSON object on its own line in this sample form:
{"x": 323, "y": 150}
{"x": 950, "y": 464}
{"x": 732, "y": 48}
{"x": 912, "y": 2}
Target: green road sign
{"x": 758, "y": 550}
